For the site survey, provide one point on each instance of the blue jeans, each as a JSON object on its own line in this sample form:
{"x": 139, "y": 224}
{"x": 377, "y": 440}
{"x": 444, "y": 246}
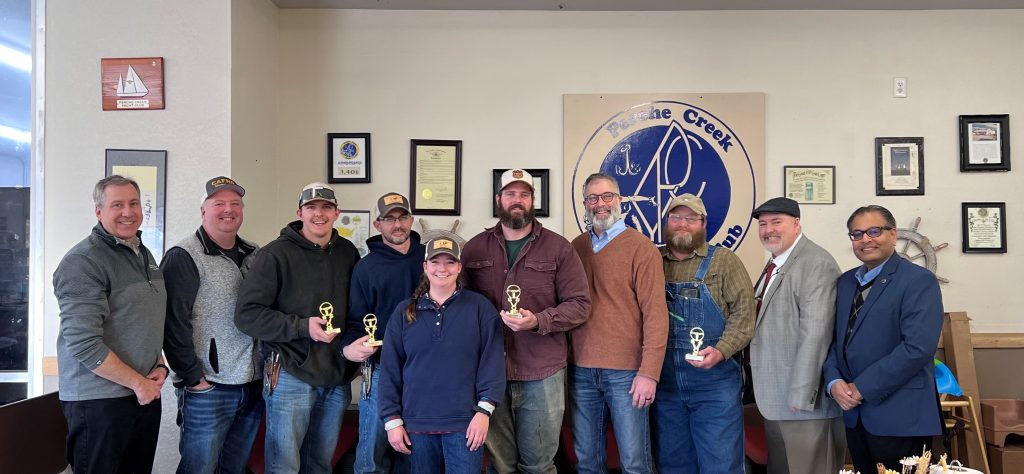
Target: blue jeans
{"x": 303, "y": 424}
{"x": 697, "y": 417}
{"x": 447, "y": 453}
{"x": 596, "y": 394}
{"x": 373, "y": 452}
{"x": 218, "y": 427}
{"x": 524, "y": 429}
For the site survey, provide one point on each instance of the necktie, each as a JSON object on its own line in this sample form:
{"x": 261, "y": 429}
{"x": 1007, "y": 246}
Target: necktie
{"x": 765, "y": 278}
{"x": 858, "y": 302}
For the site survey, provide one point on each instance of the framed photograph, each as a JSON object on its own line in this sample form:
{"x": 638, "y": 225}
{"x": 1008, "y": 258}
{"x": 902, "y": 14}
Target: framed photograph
{"x": 355, "y": 226}
{"x": 348, "y": 157}
{"x": 540, "y": 190}
{"x": 435, "y": 177}
{"x": 810, "y": 184}
{"x": 149, "y": 169}
{"x": 985, "y": 142}
{"x": 132, "y": 83}
{"x": 899, "y": 166}
{"x": 984, "y": 227}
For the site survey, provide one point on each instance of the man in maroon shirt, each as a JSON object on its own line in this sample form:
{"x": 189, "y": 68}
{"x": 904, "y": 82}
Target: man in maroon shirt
{"x": 553, "y": 299}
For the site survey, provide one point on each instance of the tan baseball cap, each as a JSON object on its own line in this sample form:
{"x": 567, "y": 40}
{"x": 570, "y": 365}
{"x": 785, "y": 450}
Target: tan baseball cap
{"x": 391, "y": 201}
{"x": 693, "y": 202}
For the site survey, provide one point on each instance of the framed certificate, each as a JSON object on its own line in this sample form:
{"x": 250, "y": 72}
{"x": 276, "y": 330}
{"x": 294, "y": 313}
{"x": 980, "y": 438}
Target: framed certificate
{"x": 810, "y": 184}
{"x": 541, "y": 191}
{"x": 348, "y": 157}
{"x": 984, "y": 227}
{"x": 435, "y": 177}
{"x": 985, "y": 142}
{"x": 899, "y": 166}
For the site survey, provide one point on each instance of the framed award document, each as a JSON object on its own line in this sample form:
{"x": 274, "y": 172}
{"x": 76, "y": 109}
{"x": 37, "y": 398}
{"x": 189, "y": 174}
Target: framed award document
{"x": 984, "y": 227}
{"x": 435, "y": 177}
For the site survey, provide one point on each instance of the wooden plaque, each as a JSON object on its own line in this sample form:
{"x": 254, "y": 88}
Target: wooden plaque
{"x": 132, "y": 83}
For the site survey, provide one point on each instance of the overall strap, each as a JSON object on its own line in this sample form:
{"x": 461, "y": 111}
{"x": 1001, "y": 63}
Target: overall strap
{"x": 702, "y": 271}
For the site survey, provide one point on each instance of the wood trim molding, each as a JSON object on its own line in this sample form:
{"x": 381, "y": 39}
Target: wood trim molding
{"x": 996, "y": 340}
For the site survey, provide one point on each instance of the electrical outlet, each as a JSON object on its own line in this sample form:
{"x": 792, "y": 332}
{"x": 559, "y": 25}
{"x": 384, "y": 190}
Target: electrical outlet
{"x": 899, "y": 87}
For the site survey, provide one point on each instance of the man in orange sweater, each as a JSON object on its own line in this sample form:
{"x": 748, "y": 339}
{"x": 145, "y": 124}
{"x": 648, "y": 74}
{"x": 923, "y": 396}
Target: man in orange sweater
{"x": 619, "y": 350}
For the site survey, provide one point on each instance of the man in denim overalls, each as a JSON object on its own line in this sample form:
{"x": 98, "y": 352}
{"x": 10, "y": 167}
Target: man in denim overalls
{"x": 697, "y": 417}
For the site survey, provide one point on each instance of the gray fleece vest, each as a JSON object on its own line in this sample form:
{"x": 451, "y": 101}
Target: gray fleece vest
{"x": 228, "y": 355}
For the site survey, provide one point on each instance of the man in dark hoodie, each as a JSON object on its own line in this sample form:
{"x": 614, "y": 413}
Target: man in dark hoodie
{"x": 283, "y": 303}
{"x": 381, "y": 281}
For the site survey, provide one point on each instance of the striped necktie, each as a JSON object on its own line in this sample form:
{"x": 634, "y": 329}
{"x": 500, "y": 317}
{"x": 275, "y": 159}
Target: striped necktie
{"x": 765, "y": 278}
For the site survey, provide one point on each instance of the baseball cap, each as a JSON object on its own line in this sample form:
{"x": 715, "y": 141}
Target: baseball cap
{"x": 693, "y": 202}
{"x": 220, "y": 183}
{"x": 513, "y": 175}
{"x": 391, "y": 201}
{"x": 441, "y": 245}
{"x": 780, "y": 204}
{"x": 317, "y": 192}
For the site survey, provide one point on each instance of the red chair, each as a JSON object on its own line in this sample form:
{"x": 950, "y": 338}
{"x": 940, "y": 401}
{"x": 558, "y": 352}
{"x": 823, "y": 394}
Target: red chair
{"x": 755, "y": 442}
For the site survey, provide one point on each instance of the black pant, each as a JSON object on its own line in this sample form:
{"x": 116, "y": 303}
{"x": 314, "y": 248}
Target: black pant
{"x": 112, "y": 435}
{"x": 867, "y": 449}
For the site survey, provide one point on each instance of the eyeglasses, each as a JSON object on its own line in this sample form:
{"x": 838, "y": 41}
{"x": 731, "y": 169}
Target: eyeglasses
{"x": 689, "y": 219}
{"x": 872, "y": 232}
{"x": 606, "y": 197}
{"x": 391, "y": 219}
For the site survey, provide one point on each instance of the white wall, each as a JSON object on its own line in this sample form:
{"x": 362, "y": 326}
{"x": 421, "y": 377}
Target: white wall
{"x": 193, "y": 38}
{"x": 495, "y": 80}
{"x": 254, "y": 105}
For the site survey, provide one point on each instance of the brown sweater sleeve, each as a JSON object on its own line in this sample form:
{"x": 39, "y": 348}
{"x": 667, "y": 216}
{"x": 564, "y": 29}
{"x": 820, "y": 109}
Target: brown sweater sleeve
{"x": 650, "y": 294}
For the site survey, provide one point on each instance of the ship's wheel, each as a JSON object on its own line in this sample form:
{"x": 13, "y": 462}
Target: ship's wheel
{"x": 918, "y": 249}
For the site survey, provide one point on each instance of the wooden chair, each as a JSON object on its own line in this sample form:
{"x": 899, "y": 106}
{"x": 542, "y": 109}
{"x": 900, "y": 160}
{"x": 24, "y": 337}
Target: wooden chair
{"x": 961, "y": 409}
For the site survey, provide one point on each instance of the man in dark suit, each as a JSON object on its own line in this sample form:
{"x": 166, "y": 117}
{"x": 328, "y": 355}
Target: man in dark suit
{"x": 879, "y": 368}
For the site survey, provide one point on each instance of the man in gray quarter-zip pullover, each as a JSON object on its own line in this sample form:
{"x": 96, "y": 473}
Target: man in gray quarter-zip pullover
{"x": 112, "y": 302}
{"x": 215, "y": 376}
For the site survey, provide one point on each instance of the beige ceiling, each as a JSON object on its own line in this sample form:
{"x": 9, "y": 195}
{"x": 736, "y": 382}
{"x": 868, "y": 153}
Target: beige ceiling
{"x": 653, "y": 5}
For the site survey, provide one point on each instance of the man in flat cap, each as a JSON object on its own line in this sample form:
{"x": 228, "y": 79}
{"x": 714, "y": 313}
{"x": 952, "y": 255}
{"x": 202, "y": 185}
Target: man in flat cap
{"x": 697, "y": 418}
{"x": 796, "y": 296}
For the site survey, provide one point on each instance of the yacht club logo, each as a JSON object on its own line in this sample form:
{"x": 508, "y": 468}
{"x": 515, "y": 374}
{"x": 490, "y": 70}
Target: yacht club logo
{"x": 659, "y": 150}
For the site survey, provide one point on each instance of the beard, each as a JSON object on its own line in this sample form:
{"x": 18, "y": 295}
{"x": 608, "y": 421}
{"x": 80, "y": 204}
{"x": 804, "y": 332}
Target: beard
{"x": 603, "y": 224}
{"x": 685, "y": 242}
{"x": 773, "y": 247}
{"x": 516, "y": 221}
{"x": 396, "y": 240}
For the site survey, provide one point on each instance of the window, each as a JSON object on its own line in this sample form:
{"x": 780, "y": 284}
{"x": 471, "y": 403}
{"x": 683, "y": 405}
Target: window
{"x": 15, "y": 186}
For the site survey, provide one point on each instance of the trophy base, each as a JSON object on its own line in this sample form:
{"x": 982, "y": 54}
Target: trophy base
{"x": 373, "y": 343}
{"x": 333, "y": 331}
{"x": 694, "y": 357}
{"x": 515, "y": 314}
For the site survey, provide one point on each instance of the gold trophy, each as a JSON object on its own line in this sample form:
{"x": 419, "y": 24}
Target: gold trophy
{"x": 370, "y": 325}
{"x": 696, "y": 339}
{"x": 514, "y": 293}
{"x": 327, "y": 312}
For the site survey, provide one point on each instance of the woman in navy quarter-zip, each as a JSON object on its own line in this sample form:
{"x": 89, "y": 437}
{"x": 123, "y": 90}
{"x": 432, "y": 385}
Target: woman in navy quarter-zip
{"x": 442, "y": 369}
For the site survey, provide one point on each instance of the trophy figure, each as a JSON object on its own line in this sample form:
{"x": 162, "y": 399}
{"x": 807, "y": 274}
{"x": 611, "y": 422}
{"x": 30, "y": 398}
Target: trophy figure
{"x": 370, "y": 325}
{"x": 514, "y": 292}
{"x": 696, "y": 339}
{"x": 327, "y": 312}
